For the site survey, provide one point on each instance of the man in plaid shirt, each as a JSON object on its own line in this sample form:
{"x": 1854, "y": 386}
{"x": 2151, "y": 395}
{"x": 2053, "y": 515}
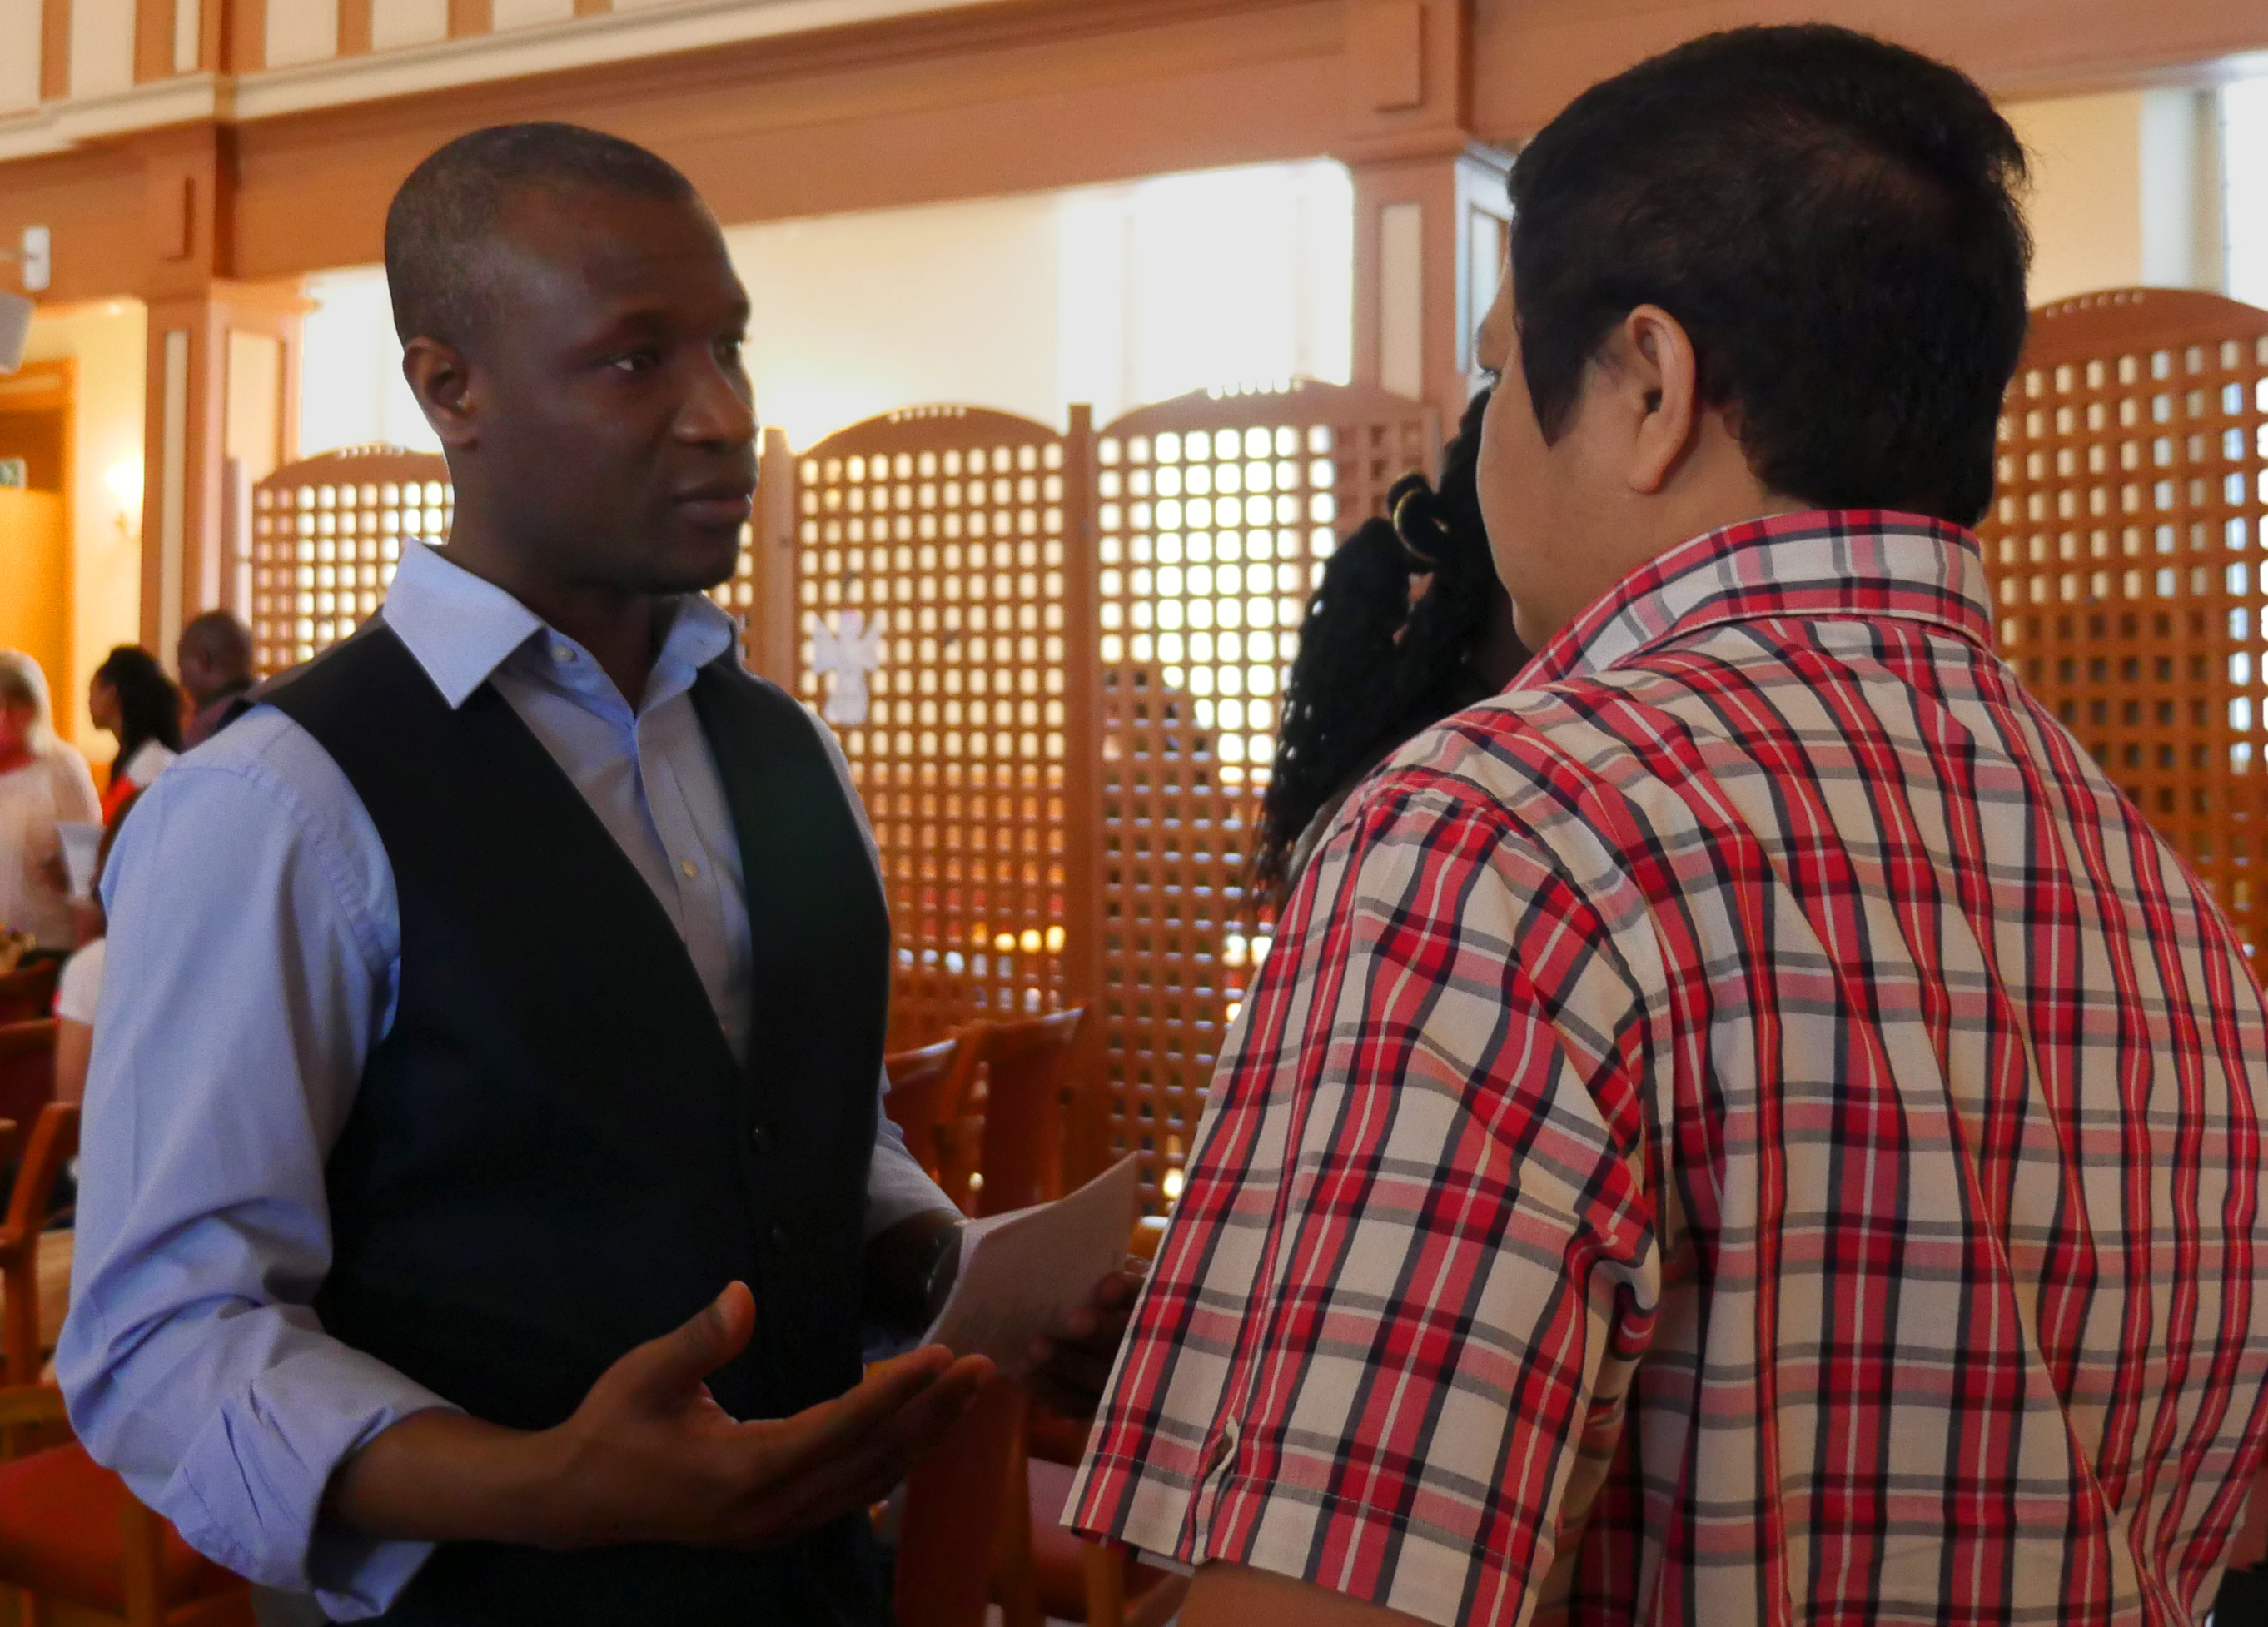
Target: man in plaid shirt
{"x": 1749, "y": 1126}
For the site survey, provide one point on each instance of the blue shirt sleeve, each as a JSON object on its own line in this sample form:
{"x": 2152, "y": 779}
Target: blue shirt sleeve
{"x": 252, "y": 957}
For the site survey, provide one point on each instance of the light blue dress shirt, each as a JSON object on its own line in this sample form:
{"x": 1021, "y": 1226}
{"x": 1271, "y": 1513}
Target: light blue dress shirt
{"x": 254, "y": 962}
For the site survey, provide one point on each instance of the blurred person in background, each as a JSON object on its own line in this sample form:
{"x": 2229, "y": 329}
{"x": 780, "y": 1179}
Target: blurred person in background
{"x": 130, "y": 695}
{"x": 42, "y": 781}
{"x": 1410, "y": 624}
{"x": 214, "y": 657}
{"x": 80, "y": 986}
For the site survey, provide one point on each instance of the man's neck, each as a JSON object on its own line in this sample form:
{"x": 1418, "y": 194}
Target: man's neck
{"x": 617, "y": 628}
{"x": 225, "y": 691}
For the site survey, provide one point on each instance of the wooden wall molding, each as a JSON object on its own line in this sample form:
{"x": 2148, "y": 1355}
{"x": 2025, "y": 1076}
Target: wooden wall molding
{"x": 600, "y": 37}
{"x": 1407, "y": 76}
{"x": 65, "y": 125}
{"x": 1526, "y": 58}
{"x": 153, "y": 39}
{"x": 55, "y": 49}
{"x": 1531, "y": 57}
{"x": 354, "y": 27}
{"x": 998, "y": 99}
{"x": 244, "y": 34}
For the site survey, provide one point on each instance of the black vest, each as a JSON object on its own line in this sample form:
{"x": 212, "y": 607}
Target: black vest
{"x": 553, "y": 1156}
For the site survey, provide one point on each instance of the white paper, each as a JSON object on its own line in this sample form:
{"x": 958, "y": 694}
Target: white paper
{"x": 82, "y": 844}
{"x": 1023, "y": 1272}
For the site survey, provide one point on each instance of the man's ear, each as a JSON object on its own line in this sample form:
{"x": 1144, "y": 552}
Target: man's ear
{"x": 442, "y": 380}
{"x": 1660, "y": 381}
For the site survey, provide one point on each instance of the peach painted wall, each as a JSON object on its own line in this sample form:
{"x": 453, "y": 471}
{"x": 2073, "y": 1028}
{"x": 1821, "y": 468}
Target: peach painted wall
{"x": 2123, "y": 191}
{"x": 107, "y": 341}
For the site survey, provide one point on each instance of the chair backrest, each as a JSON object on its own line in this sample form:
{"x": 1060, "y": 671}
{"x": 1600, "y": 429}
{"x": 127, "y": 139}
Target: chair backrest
{"x": 27, "y": 1068}
{"x": 1026, "y": 1067}
{"x": 53, "y": 1144}
{"x": 959, "y": 1500}
{"x": 925, "y": 1085}
{"x": 28, "y": 992}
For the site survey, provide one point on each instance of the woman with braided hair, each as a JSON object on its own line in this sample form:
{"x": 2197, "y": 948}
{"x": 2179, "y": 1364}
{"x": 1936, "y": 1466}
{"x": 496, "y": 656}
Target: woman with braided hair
{"x": 1409, "y": 625}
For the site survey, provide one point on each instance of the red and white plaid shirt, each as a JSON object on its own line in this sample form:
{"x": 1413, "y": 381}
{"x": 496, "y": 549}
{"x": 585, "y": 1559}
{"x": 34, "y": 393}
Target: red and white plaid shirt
{"x": 1748, "y": 1127}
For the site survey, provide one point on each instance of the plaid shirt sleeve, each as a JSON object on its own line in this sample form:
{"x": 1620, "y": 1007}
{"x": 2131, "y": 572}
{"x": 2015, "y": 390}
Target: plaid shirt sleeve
{"x": 1387, "y": 1346}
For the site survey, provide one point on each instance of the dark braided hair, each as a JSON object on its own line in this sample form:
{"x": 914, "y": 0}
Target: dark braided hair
{"x": 149, "y": 702}
{"x": 1374, "y": 669}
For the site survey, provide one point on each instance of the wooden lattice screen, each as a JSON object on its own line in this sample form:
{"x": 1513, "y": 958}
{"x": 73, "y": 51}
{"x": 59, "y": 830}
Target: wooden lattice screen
{"x": 1054, "y": 662}
{"x": 933, "y": 563}
{"x": 326, "y": 533}
{"x": 2127, "y": 552}
{"x": 1213, "y": 516}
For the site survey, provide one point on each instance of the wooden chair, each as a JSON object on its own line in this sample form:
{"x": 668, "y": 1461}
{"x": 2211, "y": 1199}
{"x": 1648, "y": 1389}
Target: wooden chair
{"x": 960, "y": 1504}
{"x": 29, "y": 992}
{"x": 70, "y": 1534}
{"x": 1026, "y": 1068}
{"x": 926, "y": 1087}
{"x": 1071, "y": 1578}
{"x": 27, "y": 1068}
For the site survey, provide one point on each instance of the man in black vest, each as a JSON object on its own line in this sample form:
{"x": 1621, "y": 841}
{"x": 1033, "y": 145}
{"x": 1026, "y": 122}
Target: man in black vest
{"x": 537, "y": 1141}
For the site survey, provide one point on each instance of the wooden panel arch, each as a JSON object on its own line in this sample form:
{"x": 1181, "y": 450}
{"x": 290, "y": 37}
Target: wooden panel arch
{"x": 1213, "y": 515}
{"x": 325, "y": 534}
{"x": 934, "y": 547}
{"x": 2126, "y": 549}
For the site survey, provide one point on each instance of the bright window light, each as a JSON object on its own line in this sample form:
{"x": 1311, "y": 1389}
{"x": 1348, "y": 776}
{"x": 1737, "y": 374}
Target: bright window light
{"x": 352, "y": 391}
{"x": 1224, "y": 278}
{"x": 2244, "y": 160}
{"x": 1113, "y": 296}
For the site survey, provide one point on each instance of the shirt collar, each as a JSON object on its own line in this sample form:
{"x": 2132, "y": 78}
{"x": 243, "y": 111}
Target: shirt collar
{"x": 461, "y": 628}
{"x": 1861, "y": 563}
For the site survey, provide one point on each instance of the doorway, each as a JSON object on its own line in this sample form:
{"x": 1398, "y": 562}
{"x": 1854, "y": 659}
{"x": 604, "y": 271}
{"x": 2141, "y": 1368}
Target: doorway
{"x": 35, "y": 518}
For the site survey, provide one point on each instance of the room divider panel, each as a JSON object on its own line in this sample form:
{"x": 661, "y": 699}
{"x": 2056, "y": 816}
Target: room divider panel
{"x": 326, "y": 534}
{"x": 935, "y": 586}
{"x": 2125, "y": 549}
{"x": 1213, "y": 515}
{"x": 1054, "y": 662}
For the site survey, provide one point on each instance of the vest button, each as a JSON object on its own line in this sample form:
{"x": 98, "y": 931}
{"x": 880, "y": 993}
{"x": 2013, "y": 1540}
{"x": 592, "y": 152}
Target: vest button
{"x": 760, "y": 1138}
{"x": 779, "y": 1237}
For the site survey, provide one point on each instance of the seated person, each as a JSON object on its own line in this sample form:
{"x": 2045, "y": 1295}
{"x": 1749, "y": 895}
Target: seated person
{"x": 1750, "y": 1125}
{"x": 44, "y": 783}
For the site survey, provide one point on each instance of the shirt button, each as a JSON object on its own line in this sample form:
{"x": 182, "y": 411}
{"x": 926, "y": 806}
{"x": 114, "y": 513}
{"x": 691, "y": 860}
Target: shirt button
{"x": 563, "y": 653}
{"x": 779, "y": 1237}
{"x": 760, "y": 1139}
{"x": 689, "y": 868}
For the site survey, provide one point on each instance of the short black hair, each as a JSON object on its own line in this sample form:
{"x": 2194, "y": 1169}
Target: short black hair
{"x": 1831, "y": 217}
{"x": 222, "y": 640}
{"x": 452, "y": 200}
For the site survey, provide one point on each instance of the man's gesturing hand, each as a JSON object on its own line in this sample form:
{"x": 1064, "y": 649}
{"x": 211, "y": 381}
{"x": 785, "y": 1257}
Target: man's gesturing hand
{"x": 650, "y": 1456}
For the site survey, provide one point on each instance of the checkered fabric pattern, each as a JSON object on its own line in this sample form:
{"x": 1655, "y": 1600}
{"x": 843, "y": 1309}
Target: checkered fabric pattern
{"x": 1749, "y": 1126}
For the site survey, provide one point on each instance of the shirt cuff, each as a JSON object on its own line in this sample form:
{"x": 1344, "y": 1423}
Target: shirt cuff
{"x": 249, "y": 1490}
{"x": 897, "y": 1187}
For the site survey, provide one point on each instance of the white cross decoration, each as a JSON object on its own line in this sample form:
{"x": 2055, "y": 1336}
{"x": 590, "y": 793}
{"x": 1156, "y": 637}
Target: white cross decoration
{"x": 849, "y": 650}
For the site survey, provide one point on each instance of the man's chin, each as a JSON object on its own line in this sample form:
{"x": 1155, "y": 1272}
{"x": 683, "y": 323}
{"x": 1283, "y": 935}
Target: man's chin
{"x": 702, "y": 558}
